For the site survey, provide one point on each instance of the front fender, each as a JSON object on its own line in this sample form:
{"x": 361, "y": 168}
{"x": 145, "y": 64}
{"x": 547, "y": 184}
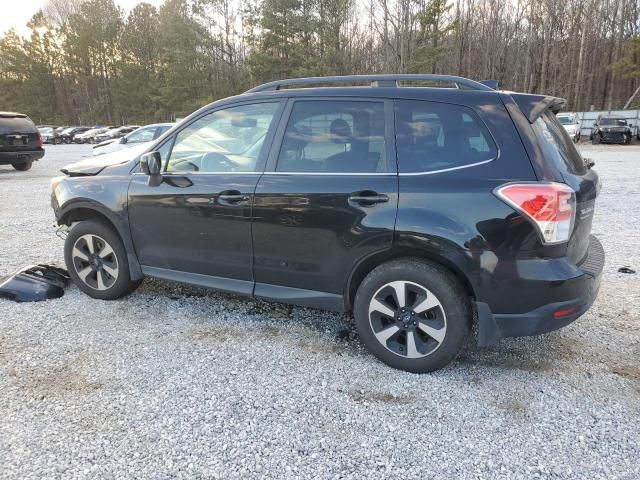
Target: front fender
{"x": 80, "y": 198}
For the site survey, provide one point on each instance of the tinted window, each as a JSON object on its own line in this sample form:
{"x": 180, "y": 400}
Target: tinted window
{"x": 557, "y": 145}
{"x": 228, "y": 140}
{"x": 435, "y": 136}
{"x": 334, "y": 137}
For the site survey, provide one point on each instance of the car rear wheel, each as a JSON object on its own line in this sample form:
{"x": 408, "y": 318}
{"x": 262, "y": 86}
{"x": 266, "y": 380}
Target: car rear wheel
{"x": 22, "y": 166}
{"x": 97, "y": 261}
{"x": 412, "y": 315}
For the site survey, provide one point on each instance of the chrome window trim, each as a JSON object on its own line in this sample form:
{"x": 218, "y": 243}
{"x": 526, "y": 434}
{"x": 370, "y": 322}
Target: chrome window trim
{"x": 343, "y": 174}
{"x": 450, "y": 169}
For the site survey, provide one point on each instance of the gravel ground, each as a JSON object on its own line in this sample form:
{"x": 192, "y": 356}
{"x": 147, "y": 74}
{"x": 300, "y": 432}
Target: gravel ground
{"x": 176, "y": 382}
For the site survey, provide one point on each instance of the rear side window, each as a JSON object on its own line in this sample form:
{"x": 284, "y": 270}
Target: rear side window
{"x": 437, "y": 136}
{"x": 334, "y": 136}
{"x": 557, "y": 145}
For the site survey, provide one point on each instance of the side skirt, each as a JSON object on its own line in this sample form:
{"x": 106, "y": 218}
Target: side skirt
{"x": 276, "y": 293}
{"x": 229, "y": 285}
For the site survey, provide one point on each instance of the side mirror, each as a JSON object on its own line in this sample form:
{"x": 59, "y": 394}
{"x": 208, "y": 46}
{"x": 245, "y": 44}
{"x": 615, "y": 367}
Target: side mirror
{"x": 123, "y": 140}
{"x": 595, "y": 124}
{"x": 151, "y": 164}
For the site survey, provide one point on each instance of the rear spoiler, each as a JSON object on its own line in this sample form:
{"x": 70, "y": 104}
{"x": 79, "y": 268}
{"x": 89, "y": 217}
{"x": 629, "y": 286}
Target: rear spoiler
{"x": 532, "y": 106}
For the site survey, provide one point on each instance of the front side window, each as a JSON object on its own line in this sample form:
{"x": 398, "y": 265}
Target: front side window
{"x": 228, "y": 140}
{"x": 436, "y": 136}
{"x": 334, "y": 136}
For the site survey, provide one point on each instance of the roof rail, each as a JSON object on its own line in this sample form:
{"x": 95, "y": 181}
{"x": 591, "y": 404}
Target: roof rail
{"x": 390, "y": 80}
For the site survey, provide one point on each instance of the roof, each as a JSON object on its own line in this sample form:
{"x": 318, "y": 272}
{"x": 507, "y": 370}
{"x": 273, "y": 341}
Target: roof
{"x": 12, "y": 115}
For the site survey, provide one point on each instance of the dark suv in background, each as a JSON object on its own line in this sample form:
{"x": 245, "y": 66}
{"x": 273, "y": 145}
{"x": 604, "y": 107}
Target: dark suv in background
{"x": 20, "y": 141}
{"x": 611, "y": 129}
{"x": 417, "y": 202}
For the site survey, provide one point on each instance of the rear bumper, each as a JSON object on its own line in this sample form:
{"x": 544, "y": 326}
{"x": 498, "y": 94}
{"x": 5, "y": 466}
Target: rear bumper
{"x": 7, "y": 158}
{"x": 580, "y": 292}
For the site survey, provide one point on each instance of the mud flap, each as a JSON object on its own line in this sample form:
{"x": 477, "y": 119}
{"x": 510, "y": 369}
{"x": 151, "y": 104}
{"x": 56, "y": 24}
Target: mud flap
{"x": 34, "y": 284}
{"x": 488, "y": 331}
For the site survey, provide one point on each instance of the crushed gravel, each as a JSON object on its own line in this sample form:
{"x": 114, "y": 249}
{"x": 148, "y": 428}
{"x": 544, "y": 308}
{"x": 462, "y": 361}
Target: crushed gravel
{"x": 177, "y": 382}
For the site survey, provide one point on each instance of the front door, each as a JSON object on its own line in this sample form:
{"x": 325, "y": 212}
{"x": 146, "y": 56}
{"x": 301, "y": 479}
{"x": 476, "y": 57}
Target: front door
{"x": 195, "y": 226}
{"x": 327, "y": 199}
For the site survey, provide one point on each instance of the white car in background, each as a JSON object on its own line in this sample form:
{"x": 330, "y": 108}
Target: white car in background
{"x": 142, "y": 135}
{"x": 571, "y": 124}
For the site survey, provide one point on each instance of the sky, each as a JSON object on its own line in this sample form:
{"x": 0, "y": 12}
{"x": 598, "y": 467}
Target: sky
{"x": 16, "y": 13}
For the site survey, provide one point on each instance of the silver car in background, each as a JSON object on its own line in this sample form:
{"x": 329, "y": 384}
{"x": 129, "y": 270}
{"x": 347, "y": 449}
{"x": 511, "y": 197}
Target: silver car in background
{"x": 144, "y": 134}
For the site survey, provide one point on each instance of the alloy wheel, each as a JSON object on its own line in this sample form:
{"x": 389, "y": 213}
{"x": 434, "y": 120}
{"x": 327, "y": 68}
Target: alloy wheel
{"x": 407, "y": 319}
{"x": 95, "y": 262}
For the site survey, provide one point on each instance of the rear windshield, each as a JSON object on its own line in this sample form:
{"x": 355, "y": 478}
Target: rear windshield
{"x": 565, "y": 120}
{"x": 557, "y": 145}
{"x": 16, "y": 123}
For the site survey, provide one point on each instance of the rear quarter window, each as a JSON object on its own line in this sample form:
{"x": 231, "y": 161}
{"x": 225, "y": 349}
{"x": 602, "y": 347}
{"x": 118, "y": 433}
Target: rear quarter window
{"x": 437, "y": 136}
{"x": 557, "y": 146}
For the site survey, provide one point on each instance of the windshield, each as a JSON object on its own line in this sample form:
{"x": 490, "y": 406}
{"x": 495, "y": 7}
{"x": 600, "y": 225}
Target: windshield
{"x": 46, "y": 130}
{"x": 613, "y": 122}
{"x": 557, "y": 145}
{"x": 565, "y": 120}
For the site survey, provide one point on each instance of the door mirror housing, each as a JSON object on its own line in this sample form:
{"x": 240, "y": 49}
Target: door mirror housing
{"x": 123, "y": 140}
{"x": 151, "y": 164}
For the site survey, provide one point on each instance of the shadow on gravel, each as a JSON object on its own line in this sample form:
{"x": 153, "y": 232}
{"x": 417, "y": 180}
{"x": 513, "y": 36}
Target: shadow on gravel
{"x": 530, "y": 354}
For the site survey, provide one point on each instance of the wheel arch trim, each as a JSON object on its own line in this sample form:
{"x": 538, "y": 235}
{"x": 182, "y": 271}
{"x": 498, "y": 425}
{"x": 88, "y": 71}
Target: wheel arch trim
{"x": 87, "y": 209}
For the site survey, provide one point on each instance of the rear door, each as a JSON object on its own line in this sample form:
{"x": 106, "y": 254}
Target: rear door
{"x": 558, "y": 149}
{"x": 17, "y": 133}
{"x": 327, "y": 200}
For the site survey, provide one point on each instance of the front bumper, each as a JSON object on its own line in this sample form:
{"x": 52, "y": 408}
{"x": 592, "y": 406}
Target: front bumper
{"x": 7, "y": 158}
{"x": 614, "y": 137}
{"x": 581, "y": 292}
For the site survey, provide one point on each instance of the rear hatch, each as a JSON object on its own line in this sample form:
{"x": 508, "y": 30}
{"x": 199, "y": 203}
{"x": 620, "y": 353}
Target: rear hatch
{"x": 17, "y": 133}
{"x": 558, "y": 149}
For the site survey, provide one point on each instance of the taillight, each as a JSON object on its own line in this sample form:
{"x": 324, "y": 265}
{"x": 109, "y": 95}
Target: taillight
{"x": 550, "y": 207}
{"x": 39, "y": 139}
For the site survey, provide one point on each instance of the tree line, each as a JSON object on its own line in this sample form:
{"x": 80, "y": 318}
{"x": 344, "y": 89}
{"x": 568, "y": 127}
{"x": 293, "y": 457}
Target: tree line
{"x": 88, "y": 61}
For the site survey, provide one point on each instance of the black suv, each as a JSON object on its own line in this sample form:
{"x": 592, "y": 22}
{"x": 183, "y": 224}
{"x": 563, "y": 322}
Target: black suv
{"x": 20, "y": 141}
{"x": 611, "y": 129}
{"x": 417, "y": 208}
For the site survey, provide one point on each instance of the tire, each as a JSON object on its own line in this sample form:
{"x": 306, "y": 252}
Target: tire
{"x": 22, "y": 166}
{"x": 437, "y": 315}
{"x": 595, "y": 140}
{"x": 97, "y": 261}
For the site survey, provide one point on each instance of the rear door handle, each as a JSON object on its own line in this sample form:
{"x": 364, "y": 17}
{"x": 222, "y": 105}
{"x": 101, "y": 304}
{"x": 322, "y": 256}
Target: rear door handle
{"x": 368, "y": 198}
{"x": 232, "y": 197}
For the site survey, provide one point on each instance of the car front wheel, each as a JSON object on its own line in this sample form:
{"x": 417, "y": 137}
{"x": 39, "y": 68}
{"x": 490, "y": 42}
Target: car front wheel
{"x": 97, "y": 261}
{"x": 412, "y": 315}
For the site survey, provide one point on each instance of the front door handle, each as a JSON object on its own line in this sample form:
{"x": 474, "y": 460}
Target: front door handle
{"x": 232, "y": 197}
{"x": 368, "y": 198}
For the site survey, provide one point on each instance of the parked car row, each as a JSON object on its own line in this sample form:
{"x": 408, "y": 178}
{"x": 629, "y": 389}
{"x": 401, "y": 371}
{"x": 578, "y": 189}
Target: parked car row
{"x": 138, "y": 136}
